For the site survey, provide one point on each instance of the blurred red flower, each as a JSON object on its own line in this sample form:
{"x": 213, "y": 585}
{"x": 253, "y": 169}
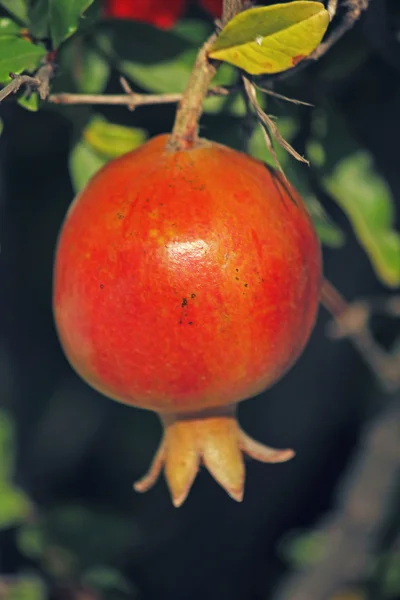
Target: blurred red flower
{"x": 161, "y": 13}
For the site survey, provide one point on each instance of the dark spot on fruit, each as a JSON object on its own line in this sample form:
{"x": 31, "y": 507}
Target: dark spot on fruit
{"x": 161, "y": 203}
{"x": 190, "y": 323}
{"x": 237, "y": 278}
{"x": 184, "y": 302}
{"x": 193, "y": 295}
{"x": 147, "y": 199}
{"x": 246, "y": 285}
{"x": 180, "y": 322}
{"x": 101, "y": 286}
{"x": 120, "y": 216}
{"x": 237, "y": 270}
{"x": 262, "y": 280}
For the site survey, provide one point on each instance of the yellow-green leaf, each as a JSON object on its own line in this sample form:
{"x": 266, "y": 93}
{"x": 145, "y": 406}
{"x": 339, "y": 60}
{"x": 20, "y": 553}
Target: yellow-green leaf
{"x": 271, "y": 39}
{"x": 349, "y": 175}
{"x": 112, "y": 140}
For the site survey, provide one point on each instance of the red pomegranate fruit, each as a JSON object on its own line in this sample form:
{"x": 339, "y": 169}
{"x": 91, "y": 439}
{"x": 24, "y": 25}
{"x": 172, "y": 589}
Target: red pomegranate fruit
{"x": 185, "y": 282}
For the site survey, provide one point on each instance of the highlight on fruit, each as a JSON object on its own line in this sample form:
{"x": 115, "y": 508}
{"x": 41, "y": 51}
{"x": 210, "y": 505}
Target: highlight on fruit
{"x": 186, "y": 281}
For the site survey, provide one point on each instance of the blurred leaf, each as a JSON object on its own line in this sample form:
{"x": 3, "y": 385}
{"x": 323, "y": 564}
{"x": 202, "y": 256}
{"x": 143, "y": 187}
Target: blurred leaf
{"x": 348, "y": 173}
{"x": 31, "y": 540}
{"x": 18, "y": 8}
{"x": 39, "y": 18}
{"x": 9, "y": 27}
{"x": 31, "y": 102}
{"x": 329, "y": 233}
{"x": 1, "y": 126}
{"x": 15, "y": 506}
{"x": 6, "y": 447}
{"x": 93, "y": 537}
{"x": 94, "y": 71}
{"x": 271, "y": 39}
{"x": 26, "y": 587}
{"x": 84, "y": 162}
{"x": 193, "y": 30}
{"x": 303, "y": 549}
{"x": 64, "y": 18}
{"x": 111, "y": 140}
{"x": 159, "y": 61}
{"x": 391, "y": 582}
{"x": 106, "y": 578}
{"x": 17, "y": 55}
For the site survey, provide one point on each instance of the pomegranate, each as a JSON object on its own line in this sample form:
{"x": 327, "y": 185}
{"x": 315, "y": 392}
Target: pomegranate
{"x": 187, "y": 281}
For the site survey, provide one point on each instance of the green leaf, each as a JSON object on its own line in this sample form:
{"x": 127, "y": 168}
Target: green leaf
{"x": 349, "y": 175}
{"x": 15, "y": 506}
{"x": 27, "y": 587}
{"x": 303, "y": 549}
{"x": 111, "y": 140}
{"x": 64, "y": 18}
{"x": 18, "y": 8}
{"x": 159, "y": 61}
{"x": 17, "y": 55}
{"x": 93, "y": 538}
{"x": 9, "y": 27}
{"x": 6, "y": 448}
{"x": 272, "y": 38}
{"x": 84, "y": 162}
{"x": 93, "y": 74}
{"x": 39, "y": 19}
{"x": 1, "y": 126}
{"x": 391, "y": 579}
{"x": 31, "y": 540}
{"x": 31, "y": 102}
{"x": 106, "y": 578}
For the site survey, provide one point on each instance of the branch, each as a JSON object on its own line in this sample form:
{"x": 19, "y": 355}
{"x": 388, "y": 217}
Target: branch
{"x": 230, "y": 9}
{"x": 131, "y": 100}
{"x": 353, "y": 533}
{"x": 353, "y": 321}
{"x": 39, "y": 82}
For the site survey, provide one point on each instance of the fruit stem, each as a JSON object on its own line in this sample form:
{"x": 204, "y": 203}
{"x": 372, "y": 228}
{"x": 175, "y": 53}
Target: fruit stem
{"x": 185, "y": 130}
{"x": 186, "y": 127}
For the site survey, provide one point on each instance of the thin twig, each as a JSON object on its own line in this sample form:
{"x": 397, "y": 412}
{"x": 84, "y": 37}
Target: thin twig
{"x": 270, "y": 92}
{"x": 353, "y": 321}
{"x": 130, "y": 99}
{"x": 269, "y": 127}
{"x": 354, "y": 9}
{"x": 40, "y": 82}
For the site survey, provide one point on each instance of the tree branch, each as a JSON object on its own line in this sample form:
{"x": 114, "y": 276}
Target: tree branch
{"x": 353, "y": 533}
{"x": 39, "y": 82}
{"x": 230, "y": 9}
{"x": 129, "y": 99}
{"x": 353, "y": 321}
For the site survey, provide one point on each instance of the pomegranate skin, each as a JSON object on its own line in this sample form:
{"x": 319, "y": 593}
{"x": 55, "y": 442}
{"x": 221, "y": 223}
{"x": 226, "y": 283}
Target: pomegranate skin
{"x": 185, "y": 280}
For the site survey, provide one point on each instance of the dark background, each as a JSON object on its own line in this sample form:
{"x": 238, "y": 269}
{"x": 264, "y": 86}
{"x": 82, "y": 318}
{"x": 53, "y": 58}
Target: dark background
{"x": 79, "y": 452}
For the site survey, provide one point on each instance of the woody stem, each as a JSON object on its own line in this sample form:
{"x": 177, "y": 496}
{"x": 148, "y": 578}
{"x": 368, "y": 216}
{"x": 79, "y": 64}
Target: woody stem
{"x": 186, "y": 127}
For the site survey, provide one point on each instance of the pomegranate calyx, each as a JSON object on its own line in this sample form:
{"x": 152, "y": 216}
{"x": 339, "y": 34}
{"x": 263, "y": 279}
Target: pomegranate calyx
{"x": 211, "y": 438}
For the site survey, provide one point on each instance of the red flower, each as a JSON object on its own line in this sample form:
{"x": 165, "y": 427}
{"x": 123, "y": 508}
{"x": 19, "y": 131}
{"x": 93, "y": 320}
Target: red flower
{"x": 161, "y": 13}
